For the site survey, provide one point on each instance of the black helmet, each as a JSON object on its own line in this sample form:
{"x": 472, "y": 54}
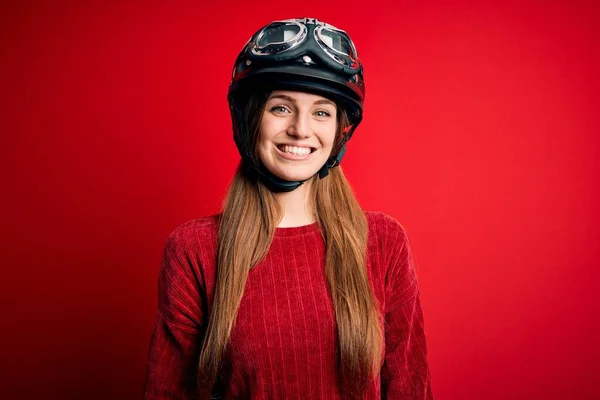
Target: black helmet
{"x": 296, "y": 54}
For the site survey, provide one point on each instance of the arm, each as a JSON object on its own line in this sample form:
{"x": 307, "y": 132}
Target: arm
{"x": 405, "y": 372}
{"x": 176, "y": 339}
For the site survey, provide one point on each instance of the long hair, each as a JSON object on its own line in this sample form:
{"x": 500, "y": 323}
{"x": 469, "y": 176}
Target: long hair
{"x": 250, "y": 215}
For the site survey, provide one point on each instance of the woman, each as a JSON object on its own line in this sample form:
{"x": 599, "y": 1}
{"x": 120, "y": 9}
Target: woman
{"x": 293, "y": 291}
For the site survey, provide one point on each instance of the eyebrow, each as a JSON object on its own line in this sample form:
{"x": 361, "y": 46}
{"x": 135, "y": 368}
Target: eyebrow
{"x": 289, "y": 98}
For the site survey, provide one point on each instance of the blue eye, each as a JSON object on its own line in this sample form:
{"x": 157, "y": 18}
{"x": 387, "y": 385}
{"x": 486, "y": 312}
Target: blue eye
{"x": 322, "y": 113}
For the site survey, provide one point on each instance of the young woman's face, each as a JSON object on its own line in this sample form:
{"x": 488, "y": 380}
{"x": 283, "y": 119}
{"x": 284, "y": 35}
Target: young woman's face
{"x": 296, "y": 134}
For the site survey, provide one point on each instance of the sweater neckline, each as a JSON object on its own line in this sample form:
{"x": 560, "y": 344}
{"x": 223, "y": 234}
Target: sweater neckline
{"x": 296, "y": 230}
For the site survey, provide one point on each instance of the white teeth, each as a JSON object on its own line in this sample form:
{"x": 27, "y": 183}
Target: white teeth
{"x": 301, "y": 151}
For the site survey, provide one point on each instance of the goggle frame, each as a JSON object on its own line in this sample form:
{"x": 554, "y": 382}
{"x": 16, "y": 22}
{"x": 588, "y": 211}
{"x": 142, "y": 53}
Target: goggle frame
{"x": 349, "y": 61}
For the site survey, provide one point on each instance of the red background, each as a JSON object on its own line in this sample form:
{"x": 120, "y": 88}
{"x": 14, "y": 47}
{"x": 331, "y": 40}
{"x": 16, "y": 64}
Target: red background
{"x": 480, "y": 136}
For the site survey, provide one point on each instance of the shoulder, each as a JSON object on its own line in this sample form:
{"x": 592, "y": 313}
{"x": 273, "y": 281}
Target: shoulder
{"x": 384, "y": 225}
{"x": 193, "y": 233}
{"x": 190, "y": 250}
{"x": 387, "y": 238}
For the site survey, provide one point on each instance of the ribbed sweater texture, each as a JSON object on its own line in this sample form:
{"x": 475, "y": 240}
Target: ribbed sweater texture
{"x": 284, "y": 341}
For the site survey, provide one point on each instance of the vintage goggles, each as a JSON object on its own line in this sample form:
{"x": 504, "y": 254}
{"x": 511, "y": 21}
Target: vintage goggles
{"x": 288, "y": 39}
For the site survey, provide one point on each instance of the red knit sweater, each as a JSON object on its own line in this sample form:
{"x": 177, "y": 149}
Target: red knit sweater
{"x": 283, "y": 344}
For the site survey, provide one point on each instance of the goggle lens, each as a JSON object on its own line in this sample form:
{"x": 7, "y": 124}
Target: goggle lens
{"x": 278, "y": 33}
{"x": 338, "y": 42}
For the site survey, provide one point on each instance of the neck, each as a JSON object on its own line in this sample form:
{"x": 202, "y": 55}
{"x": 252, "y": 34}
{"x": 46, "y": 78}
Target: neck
{"x": 297, "y": 206}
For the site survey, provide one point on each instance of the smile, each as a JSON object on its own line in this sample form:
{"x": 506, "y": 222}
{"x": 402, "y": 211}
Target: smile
{"x": 294, "y": 152}
{"x": 295, "y": 149}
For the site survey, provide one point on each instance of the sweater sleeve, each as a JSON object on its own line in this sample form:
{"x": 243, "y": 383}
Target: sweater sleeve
{"x": 405, "y": 373}
{"x": 176, "y": 338}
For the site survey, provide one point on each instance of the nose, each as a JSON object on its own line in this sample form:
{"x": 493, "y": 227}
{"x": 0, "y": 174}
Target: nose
{"x": 300, "y": 126}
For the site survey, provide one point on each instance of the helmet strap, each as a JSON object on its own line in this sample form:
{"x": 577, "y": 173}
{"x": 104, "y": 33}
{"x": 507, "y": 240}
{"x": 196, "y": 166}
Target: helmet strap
{"x": 334, "y": 161}
{"x": 258, "y": 172}
{"x": 275, "y": 183}
{"x": 279, "y": 185}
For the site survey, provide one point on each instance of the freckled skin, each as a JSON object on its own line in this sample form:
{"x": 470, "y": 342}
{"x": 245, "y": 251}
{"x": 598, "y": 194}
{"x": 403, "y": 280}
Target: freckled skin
{"x": 301, "y": 119}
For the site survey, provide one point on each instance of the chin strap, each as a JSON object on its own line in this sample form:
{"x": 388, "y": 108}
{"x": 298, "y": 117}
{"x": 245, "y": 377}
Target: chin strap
{"x": 332, "y": 162}
{"x": 276, "y": 184}
{"x": 272, "y": 182}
